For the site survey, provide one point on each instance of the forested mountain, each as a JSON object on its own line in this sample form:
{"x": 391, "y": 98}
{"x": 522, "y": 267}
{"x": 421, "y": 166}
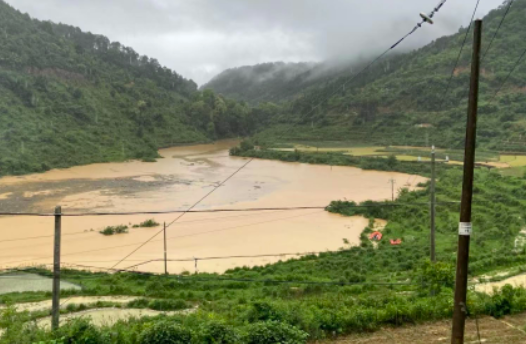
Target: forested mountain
{"x": 277, "y": 81}
{"x": 68, "y": 97}
{"x": 402, "y": 99}
{"x": 264, "y": 82}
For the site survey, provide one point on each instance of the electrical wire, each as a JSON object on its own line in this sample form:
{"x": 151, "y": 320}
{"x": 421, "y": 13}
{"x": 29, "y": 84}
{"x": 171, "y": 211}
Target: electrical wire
{"x": 184, "y": 213}
{"x": 444, "y": 97}
{"x": 509, "y": 75}
{"x": 42, "y": 237}
{"x": 423, "y": 204}
{"x": 157, "y": 212}
{"x": 497, "y": 31}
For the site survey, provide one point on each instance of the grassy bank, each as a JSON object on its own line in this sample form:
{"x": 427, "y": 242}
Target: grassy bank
{"x": 391, "y": 163}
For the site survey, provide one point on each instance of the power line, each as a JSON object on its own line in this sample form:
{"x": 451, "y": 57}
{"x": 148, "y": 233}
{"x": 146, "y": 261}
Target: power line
{"x": 201, "y": 233}
{"x": 497, "y": 31}
{"x": 353, "y": 77}
{"x": 42, "y": 237}
{"x": 159, "y": 212}
{"x": 460, "y": 52}
{"x": 509, "y": 75}
{"x": 392, "y": 205}
{"x": 184, "y": 213}
{"x": 191, "y": 221}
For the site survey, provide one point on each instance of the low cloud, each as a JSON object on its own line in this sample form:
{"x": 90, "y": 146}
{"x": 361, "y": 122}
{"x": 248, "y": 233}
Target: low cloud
{"x": 201, "y": 38}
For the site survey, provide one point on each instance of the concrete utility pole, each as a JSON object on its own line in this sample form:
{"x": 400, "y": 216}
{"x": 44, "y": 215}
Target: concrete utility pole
{"x": 165, "y": 255}
{"x": 464, "y": 231}
{"x": 392, "y": 181}
{"x": 433, "y": 205}
{"x": 55, "y": 307}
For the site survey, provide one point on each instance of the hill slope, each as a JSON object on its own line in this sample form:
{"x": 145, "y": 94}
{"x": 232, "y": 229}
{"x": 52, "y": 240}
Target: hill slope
{"x": 69, "y": 97}
{"x": 264, "y": 82}
{"x": 402, "y": 99}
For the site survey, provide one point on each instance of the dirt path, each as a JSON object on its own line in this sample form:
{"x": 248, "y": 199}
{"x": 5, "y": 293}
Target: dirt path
{"x": 86, "y": 300}
{"x": 518, "y": 281}
{"x": 109, "y": 316}
{"x": 509, "y": 330}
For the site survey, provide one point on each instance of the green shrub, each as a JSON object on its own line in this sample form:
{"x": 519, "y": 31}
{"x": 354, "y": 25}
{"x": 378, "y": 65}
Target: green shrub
{"x": 165, "y": 332}
{"x": 146, "y": 224}
{"x": 273, "y": 332}
{"x": 263, "y": 311}
{"x": 80, "y": 331}
{"x": 216, "y": 332}
{"x": 111, "y": 230}
{"x": 168, "y": 305}
{"x": 138, "y": 303}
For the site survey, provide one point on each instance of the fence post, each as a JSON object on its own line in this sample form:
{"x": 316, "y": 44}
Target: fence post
{"x": 165, "y": 255}
{"x": 55, "y": 311}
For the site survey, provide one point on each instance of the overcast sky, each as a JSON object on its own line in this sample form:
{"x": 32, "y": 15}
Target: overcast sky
{"x": 201, "y": 38}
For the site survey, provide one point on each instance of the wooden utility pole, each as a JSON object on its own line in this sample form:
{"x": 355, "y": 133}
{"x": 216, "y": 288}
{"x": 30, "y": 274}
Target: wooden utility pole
{"x": 55, "y": 309}
{"x": 433, "y": 205}
{"x": 165, "y": 254}
{"x": 464, "y": 231}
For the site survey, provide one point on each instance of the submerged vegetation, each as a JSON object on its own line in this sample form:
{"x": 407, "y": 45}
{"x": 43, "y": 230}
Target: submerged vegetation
{"x": 147, "y": 224}
{"x": 111, "y": 230}
{"x": 120, "y": 229}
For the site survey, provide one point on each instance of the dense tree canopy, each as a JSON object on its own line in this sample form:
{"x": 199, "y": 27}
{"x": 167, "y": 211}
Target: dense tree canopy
{"x": 69, "y": 97}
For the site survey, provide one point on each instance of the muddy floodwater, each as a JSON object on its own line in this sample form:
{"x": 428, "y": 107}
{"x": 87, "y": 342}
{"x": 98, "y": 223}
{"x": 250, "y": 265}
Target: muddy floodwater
{"x": 182, "y": 177}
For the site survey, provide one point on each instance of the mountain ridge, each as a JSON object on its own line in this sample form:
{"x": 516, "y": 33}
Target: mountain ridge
{"x": 402, "y": 99}
{"x": 69, "y": 97}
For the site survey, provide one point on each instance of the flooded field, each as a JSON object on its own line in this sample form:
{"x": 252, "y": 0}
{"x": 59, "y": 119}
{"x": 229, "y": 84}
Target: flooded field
{"x": 175, "y": 182}
{"x": 19, "y": 283}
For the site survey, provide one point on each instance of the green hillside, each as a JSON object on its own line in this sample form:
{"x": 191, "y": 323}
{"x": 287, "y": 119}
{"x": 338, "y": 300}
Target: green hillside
{"x": 402, "y": 98}
{"x": 68, "y": 97}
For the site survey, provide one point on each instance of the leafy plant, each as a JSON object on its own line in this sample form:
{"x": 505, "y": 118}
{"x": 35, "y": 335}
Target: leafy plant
{"x": 111, "y": 230}
{"x": 165, "y": 332}
{"x": 271, "y": 332}
{"x": 146, "y": 224}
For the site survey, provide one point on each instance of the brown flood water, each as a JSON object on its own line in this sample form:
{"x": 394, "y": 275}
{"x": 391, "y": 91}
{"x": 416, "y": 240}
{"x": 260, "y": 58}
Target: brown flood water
{"x": 177, "y": 181}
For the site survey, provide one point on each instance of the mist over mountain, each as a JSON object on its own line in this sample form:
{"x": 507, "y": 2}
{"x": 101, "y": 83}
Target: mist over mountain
{"x": 202, "y": 38}
{"x": 404, "y": 98}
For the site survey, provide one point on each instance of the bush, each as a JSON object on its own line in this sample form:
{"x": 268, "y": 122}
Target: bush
{"x": 263, "y": 311}
{"x": 80, "y": 331}
{"x": 111, "y": 230}
{"x": 215, "y": 332}
{"x": 147, "y": 223}
{"x": 165, "y": 332}
{"x": 138, "y": 303}
{"x": 167, "y": 305}
{"x": 272, "y": 332}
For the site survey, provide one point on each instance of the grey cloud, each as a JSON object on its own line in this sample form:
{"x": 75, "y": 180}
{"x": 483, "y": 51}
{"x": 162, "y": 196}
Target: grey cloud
{"x": 200, "y": 38}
